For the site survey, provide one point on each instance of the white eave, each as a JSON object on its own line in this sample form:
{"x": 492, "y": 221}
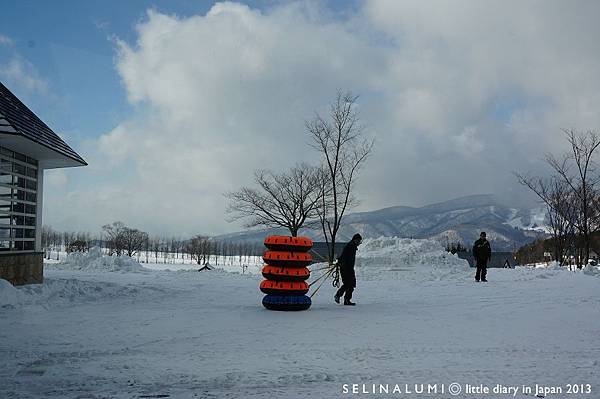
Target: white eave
{"x": 47, "y": 157}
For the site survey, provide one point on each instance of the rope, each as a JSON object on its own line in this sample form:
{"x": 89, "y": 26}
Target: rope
{"x": 319, "y": 269}
{"x": 336, "y": 276}
{"x": 326, "y": 274}
{"x": 320, "y": 277}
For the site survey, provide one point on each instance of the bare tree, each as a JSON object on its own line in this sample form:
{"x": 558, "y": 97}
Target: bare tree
{"x": 197, "y": 248}
{"x": 114, "y": 237}
{"x": 344, "y": 150}
{"x": 288, "y": 199}
{"x": 133, "y": 240}
{"x": 560, "y": 208}
{"x": 583, "y": 181}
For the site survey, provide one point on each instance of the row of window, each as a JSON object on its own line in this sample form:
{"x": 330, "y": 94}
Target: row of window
{"x": 17, "y": 156}
{"x": 9, "y": 232}
{"x": 18, "y": 201}
{"x": 15, "y": 246}
{"x": 7, "y": 178}
{"x": 7, "y": 193}
{"x": 17, "y": 220}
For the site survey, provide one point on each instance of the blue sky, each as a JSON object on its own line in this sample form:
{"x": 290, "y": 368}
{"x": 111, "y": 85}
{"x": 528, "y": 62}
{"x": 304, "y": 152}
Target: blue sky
{"x": 71, "y": 46}
{"x": 174, "y": 106}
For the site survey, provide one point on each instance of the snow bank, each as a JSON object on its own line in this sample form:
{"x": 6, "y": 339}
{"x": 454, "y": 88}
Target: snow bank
{"x": 405, "y": 258}
{"x": 8, "y": 294}
{"x": 592, "y": 270}
{"x": 94, "y": 260}
{"x": 60, "y": 292}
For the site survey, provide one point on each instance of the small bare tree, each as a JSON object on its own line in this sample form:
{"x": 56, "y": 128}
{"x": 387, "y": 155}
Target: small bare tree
{"x": 133, "y": 240}
{"x": 197, "y": 248}
{"x": 288, "y": 199}
{"x": 339, "y": 139}
{"x": 114, "y": 237}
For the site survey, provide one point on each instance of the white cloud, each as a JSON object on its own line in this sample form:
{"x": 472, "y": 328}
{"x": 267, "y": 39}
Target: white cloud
{"x": 454, "y": 91}
{"x": 6, "y": 41}
{"x": 21, "y": 73}
{"x": 56, "y": 179}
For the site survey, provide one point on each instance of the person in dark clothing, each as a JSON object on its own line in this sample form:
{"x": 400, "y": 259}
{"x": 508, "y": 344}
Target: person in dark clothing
{"x": 482, "y": 252}
{"x": 346, "y": 265}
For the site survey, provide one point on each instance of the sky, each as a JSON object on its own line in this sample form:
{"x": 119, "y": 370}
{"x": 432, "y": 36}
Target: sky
{"x": 174, "y": 103}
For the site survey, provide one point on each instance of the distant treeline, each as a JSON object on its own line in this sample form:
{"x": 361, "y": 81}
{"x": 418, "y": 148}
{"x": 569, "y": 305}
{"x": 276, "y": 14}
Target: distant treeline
{"x": 119, "y": 239}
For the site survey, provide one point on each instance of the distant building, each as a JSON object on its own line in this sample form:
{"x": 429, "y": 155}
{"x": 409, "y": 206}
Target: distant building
{"x": 27, "y": 147}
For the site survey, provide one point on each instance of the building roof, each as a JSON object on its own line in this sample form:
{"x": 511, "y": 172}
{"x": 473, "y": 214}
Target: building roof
{"x": 18, "y": 120}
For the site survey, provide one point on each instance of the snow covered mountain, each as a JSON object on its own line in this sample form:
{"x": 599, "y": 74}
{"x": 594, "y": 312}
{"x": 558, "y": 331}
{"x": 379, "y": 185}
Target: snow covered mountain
{"x": 457, "y": 220}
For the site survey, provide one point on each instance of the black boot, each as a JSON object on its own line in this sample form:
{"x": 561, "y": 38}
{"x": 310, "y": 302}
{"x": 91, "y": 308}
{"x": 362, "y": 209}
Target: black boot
{"x": 347, "y": 302}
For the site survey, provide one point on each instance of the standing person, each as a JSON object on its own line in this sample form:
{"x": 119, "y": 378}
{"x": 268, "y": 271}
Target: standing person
{"x": 482, "y": 252}
{"x": 346, "y": 264}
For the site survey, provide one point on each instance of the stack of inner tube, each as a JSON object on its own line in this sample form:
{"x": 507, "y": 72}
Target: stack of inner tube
{"x": 286, "y": 273}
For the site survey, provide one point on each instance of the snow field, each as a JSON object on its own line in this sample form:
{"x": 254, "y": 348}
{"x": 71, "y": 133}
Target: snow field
{"x": 420, "y": 319}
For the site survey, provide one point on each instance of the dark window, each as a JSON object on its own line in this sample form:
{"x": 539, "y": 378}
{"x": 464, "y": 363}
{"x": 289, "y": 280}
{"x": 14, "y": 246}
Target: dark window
{"x": 19, "y": 169}
{"x": 6, "y": 152}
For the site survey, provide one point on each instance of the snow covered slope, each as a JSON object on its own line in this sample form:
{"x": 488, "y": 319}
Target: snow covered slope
{"x": 420, "y": 319}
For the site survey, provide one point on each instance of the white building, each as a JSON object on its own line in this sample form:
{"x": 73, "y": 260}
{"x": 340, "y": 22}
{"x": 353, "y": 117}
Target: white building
{"x": 27, "y": 147}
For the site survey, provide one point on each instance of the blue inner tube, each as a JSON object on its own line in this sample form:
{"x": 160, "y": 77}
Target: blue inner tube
{"x": 286, "y": 302}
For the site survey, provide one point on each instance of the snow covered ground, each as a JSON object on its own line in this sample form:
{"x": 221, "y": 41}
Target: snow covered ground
{"x": 104, "y": 331}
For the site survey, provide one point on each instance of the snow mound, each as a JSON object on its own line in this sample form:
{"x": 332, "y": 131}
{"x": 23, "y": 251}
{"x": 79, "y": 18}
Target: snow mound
{"x": 405, "y": 258}
{"x": 63, "y": 292}
{"x": 94, "y": 260}
{"x": 592, "y": 270}
{"x": 8, "y": 294}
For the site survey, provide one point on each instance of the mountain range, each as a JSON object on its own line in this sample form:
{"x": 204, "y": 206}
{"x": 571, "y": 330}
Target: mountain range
{"x": 457, "y": 220}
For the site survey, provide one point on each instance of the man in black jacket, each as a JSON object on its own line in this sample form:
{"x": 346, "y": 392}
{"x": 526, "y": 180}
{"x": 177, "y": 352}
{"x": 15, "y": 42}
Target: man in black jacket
{"x": 482, "y": 252}
{"x": 346, "y": 265}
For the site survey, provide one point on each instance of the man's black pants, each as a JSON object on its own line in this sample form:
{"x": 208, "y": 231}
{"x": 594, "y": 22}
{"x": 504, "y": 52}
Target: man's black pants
{"x": 348, "y": 283}
{"x": 481, "y": 271}
{"x": 348, "y": 290}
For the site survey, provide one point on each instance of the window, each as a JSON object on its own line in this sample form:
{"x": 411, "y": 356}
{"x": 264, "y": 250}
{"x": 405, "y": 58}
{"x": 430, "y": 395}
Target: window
{"x": 18, "y": 201}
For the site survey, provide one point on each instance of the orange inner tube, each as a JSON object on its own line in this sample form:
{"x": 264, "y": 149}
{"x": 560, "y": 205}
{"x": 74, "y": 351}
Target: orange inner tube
{"x": 289, "y": 258}
{"x": 278, "y": 272}
{"x": 302, "y": 243}
{"x": 284, "y": 285}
